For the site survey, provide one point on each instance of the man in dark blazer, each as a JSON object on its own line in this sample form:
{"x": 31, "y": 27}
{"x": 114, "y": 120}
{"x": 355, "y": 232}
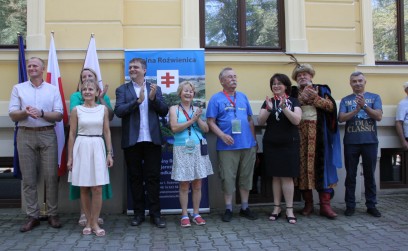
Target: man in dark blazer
{"x": 139, "y": 104}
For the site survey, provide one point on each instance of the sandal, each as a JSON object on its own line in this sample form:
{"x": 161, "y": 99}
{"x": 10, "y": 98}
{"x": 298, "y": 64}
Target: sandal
{"x": 185, "y": 222}
{"x": 99, "y": 232}
{"x": 198, "y": 220}
{"x": 291, "y": 220}
{"x": 274, "y": 217}
{"x": 87, "y": 231}
{"x": 82, "y": 220}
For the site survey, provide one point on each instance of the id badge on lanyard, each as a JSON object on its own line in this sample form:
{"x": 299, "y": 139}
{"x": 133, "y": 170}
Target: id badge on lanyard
{"x": 236, "y": 126}
{"x": 190, "y": 145}
{"x": 235, "y": 123}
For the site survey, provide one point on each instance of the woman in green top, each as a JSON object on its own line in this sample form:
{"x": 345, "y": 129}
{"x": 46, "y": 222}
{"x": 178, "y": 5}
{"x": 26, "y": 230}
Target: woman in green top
{"x": 76, "y": 99}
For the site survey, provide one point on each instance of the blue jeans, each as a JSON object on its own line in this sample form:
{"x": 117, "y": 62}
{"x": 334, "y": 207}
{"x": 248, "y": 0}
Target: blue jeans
{"x": 352, "y": 154}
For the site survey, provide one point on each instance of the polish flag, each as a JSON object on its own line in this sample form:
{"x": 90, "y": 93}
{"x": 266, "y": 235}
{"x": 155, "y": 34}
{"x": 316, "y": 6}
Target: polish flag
{"x": 92, "y": 61}
{"x": 54, "y": 78}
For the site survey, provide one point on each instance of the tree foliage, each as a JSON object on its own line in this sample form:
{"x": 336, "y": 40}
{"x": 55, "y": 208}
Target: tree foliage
{"x": 385, "y": 30}
{"x": 222, "y": 23}
{"x": 13, "y": 19}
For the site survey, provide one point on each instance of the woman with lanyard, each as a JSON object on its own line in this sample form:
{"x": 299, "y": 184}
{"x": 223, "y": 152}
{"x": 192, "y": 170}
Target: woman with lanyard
{"x": 190, "y": 158}
{"x": 281, "y": 143}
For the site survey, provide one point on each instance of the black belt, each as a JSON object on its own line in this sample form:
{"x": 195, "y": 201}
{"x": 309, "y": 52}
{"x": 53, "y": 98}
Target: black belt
{"x": 89, "y": 135}
{"x": 37, "y": 129}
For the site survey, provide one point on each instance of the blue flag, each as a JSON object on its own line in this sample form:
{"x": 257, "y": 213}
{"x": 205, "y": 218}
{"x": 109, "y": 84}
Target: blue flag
{"x": 22, "y": 77}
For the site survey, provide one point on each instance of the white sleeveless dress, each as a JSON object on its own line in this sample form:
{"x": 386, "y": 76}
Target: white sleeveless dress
{"x": 89, "y": 166}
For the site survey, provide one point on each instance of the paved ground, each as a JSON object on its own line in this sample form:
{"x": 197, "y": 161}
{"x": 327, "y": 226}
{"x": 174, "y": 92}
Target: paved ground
{"x": 359, "y": 232}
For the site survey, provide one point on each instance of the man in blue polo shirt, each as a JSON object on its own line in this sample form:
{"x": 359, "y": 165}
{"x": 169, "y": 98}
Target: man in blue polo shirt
{"x": 229, "y": 116}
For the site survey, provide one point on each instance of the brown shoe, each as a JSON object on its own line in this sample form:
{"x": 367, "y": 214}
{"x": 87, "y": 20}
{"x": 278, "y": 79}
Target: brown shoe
{"x": 54, "y": 221}
{"x": 30, "y": 224}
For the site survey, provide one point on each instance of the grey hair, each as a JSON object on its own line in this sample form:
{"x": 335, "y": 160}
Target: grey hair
{"x": 222, "y": 72}
{"x": 355, "y": 74}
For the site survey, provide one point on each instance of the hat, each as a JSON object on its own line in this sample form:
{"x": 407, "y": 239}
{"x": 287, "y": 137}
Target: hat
{"x": 405, "y": 85}
{"x": 302, "y": 68}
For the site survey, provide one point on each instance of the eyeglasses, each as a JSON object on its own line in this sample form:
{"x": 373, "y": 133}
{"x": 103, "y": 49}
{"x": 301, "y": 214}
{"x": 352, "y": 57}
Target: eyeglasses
{"x": 277, "y": 84}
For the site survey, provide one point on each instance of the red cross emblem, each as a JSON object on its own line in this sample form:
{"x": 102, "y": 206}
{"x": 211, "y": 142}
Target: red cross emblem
{"x": 167, "y": 80}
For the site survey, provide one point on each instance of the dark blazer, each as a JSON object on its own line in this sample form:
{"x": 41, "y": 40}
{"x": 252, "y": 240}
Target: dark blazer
{"x": 127, "y": 109}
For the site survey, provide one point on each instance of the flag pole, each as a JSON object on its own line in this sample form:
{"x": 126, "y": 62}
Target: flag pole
{"x": 44, "y": 209}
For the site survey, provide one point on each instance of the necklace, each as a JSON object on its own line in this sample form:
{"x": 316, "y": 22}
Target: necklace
{"x": 278, "y": 111}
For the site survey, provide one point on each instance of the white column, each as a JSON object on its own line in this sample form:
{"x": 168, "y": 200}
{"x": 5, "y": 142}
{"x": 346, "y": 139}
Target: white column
{"x": 367, "y": 32}
{"x": 295, "y": 26}
{"x": 190, "y": 24}
{"x": 36, "y": 24}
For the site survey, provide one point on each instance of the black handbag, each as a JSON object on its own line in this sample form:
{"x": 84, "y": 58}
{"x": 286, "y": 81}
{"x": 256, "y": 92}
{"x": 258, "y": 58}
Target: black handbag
{"x": 203, "y": 147}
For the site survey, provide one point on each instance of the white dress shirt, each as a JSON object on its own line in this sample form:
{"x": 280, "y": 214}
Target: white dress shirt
{"x": 45, "y": 97}
{"x": 144, "y": 132}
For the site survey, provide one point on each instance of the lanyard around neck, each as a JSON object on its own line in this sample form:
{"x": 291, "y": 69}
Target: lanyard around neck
{"x": 233, "y": 103}
{"x": 187, "y": 116}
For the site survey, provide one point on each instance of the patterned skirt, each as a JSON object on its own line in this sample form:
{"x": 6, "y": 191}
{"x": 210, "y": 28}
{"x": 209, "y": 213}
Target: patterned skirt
{"x": 190, "y": 166}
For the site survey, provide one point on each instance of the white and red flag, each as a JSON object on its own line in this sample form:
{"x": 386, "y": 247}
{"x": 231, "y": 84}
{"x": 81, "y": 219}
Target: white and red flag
{"x": 54, "y": 78}
{"x": 92, "y": 61}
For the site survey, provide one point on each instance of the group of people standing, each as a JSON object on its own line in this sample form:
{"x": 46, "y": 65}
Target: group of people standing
{"x": 301, "y": 143}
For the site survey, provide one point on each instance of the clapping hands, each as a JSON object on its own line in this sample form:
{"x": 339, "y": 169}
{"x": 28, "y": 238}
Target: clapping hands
{"x": 153, "y": 89}
{"x": 141, "y": 94}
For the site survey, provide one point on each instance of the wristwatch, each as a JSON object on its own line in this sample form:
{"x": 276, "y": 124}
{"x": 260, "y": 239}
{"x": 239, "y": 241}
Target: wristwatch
{"x": 42, "y": 113}
{"x": 364, "y": 106}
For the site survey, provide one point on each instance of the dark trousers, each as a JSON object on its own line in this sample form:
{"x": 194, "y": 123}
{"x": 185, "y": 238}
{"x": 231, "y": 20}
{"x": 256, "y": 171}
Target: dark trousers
{"x": 352, "y": 154}
{"x": 143, "y": 162}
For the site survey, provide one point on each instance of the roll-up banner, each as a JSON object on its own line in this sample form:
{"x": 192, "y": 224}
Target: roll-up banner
{"x": 168, "y": 68}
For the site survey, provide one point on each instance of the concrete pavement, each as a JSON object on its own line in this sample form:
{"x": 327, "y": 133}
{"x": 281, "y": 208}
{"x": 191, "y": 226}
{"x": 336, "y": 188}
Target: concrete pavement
{"x": 358, "y": 232}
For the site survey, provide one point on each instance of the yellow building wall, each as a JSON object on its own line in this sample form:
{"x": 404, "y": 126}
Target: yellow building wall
{"x": 332, "y": 28}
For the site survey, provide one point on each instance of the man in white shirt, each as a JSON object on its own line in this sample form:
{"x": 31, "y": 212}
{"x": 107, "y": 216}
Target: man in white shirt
{"x": 401, "y": 119}
{"x": 139, "y": 104}
{"x": 36, "y": 106}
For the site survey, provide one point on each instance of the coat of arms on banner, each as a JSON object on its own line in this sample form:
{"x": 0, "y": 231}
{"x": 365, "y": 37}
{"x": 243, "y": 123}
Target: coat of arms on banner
{"x": 168, "y": 80}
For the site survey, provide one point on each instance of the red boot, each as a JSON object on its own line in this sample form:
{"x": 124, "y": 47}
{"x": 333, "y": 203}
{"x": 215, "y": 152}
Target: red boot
{"x": 325, "y": 208}
{"x": 308, "y": 198}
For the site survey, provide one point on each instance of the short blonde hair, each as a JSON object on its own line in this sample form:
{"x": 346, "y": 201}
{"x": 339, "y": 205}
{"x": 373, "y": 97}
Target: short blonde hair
{"x": 89, "y": 82}
{"x": 181, "y": 86}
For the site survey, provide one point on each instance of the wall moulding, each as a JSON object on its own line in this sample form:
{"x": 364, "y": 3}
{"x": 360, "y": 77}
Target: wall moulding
{"x": 64, "y": 55}
{"x": 279, "y": 57}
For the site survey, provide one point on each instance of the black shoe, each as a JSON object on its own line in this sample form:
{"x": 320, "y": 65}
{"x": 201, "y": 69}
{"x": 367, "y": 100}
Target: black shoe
{"x": 158, "y": 221}
{"x": 137, "y": 220}
{"x": 30, "y": 224}
{"x": 374, "y": 212}
{"x": 248, "y": 214}
{"x": 54, "y": 221}
{"x": 227, "y": 216}
{"x": 349, "y": 211}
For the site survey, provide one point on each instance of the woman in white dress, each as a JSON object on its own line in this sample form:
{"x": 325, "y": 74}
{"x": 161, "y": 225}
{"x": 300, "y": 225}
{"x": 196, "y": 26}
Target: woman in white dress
{"x": 88, "y": 159}
{"x": 189, "y": 163}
